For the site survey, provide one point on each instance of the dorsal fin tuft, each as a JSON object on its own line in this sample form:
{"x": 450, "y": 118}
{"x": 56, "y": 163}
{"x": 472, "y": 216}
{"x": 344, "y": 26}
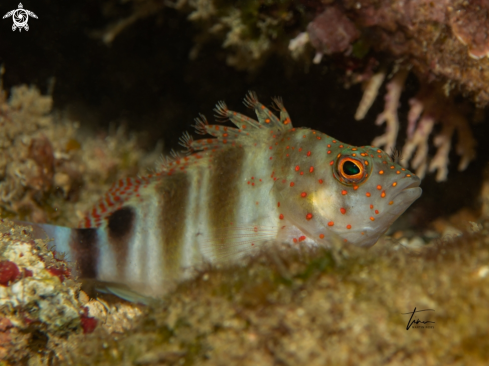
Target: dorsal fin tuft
{"x": 265, "y": 116}
{"x": 284, "y": 115}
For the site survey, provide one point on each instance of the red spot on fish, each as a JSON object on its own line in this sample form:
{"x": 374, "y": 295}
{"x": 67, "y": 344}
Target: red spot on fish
{"x": 344, "y": 192}
{"x": 331, "y": 223}
{"x": 281, "y": 217}
{"x": 308, "y": 153}
{"x": 292, "y": 184}
{"x": 343, "y": 210}
{"x": 321, "y": 236}
{"x": 311, "y": 169}
{"x": 302, "y": 238}
{"x": 309, "y": 216}
{"x": 303, "y": 194}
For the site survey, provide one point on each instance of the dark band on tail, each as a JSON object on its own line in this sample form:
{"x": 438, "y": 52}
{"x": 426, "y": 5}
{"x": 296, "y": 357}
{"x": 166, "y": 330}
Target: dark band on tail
{"x": 84, "y": 245}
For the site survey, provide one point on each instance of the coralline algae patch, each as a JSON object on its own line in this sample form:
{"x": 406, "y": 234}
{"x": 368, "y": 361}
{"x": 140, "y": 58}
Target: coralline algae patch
{"x": 38, "y": 287}
{"x": 37, "y": 294}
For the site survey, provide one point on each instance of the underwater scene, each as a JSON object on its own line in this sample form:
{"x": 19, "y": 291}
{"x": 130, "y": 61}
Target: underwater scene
{"x": 247, "y": 182}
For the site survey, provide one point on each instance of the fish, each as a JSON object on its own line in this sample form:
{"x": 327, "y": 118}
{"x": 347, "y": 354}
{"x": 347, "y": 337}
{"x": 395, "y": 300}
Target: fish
{"x": 230, "y": 195}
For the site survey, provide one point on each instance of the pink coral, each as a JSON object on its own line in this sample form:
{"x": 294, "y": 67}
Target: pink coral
{"x": 470, "y": 24}
{"x": 332, "y": 32}
{"x": 428, "y": 107}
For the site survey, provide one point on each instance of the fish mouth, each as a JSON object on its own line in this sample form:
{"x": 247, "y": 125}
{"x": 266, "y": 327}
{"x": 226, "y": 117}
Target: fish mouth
{"x": 413, "y": 182}
{"x": 410, "y": 190}
{"x": 412, "y": 185}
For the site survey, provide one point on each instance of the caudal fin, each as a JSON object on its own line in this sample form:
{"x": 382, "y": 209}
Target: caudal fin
{"x": 77, "y": 245}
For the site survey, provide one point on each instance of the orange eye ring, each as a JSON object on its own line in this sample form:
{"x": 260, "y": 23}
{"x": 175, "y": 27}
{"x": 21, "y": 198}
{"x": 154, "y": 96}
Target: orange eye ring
{"x": 351, "y": 170}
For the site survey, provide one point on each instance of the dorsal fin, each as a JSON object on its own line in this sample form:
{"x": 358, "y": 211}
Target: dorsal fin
{"x": 120, "y": 192}
{"x": 196, "y": 151}
{"x": 265, "y": 115}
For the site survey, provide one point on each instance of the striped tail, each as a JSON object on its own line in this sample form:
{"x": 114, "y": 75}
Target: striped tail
{"x": 78, "y": 245}
{"x": 81, "y": 247}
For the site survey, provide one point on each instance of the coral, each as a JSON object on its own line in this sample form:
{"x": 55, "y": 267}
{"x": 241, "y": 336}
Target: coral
{"x": 45, "y": 174}
{"x": 332, "y": 32}
{"x": 250, "y": 32}
{"x": 444, "y": 40}
{"x": 33, "y": 299}
{"x": 115, "y": 317}
{"x": 426, "y": 36}
{"x": 39, "y": 298}
{"x": 469, "y": 21}
{"x": 371, "y": 90}
{"x": 428, "y": 107}
{"x": 389, "y": 115}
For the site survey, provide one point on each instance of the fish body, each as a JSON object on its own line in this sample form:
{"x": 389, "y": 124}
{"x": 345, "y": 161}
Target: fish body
{"x": 261, "y": 182}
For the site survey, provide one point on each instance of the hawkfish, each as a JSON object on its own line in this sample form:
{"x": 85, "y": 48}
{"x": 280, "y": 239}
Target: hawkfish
{"x": 252, "y": 185}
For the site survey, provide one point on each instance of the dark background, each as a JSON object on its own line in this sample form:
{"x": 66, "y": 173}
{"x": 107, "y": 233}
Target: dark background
{"x": 146, "y": 80}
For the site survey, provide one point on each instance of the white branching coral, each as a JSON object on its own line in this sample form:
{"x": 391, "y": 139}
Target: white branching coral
{"x": 370, "y": 92}
{"x": 389, "y": 115}
{"x": 426, "y": 109}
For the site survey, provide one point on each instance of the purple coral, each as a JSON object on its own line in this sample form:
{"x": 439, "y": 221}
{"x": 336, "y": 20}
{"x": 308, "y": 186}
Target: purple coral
{"x": 470, "y": 24}
{"x": 332, "y": 32}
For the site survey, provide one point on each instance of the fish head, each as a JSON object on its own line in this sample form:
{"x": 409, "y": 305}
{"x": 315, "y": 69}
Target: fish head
{"x": 360, "y": 192}
{"x": 371, "y": 191}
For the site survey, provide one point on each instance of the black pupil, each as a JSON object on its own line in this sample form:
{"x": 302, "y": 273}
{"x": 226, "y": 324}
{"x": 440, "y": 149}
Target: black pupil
{"x": 350, "y": 168}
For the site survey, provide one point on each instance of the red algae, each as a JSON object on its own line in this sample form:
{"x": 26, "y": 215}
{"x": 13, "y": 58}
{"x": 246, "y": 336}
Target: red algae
{"x": 9, "y": 272}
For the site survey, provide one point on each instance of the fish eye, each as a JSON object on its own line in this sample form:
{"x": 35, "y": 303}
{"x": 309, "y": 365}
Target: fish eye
{"x": 351, "y": 170}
